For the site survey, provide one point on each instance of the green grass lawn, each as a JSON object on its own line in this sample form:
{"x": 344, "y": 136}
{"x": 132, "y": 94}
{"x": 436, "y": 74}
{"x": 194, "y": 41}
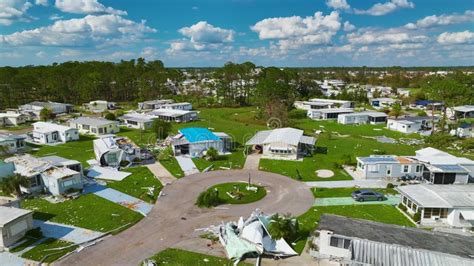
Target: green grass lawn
{"x": 173, "y": 167}
{"x": 308, "y": 221}
{"x": 135, "y": 183}
{"x": 178, "y": 257}
{"x": 80, "y": 150}
{"x": 42, "y": 251}
{"x": 139, "y": 137}
{"x": 234, "y": 160}
{"x": 246, "y": 196}
{"x": 346, "y": 191}
{"x": 88, "y": 211}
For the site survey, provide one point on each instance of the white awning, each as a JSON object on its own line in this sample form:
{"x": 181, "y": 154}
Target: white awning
{"x": 468, "y": 215}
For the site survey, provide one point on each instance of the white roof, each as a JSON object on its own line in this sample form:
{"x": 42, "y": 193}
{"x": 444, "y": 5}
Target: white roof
{"x": 11, "y": 115}
{"x": 366, "y": 113}
{"x": 438, "y": 157}
{"x": 385, "y": 100}
{"x": 137, "y": 117}
{"x": 8, "y": 214}
{"x": 328, "y": 100}
{"x": 45, "y": 127}
{"x": 440, "y": 196}
{"x": 97, "y": 122}
{"x": 464, "y": 108}
{"x": 332, "y": 110}
{"x": 169, "y": 112}
{"x": 59, "y": 173}
{"x": 290, "y": 136}
{"x": 27, "y": 165}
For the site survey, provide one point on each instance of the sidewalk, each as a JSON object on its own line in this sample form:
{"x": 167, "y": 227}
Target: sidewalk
{"x": 161, "y": 173}
{"x": 65, "y": 232}
{"x": 187, "y": 165}
{"x": 349, "y": 183}
{"x": 252, "y": 161}
{"x": 338, "y": 201}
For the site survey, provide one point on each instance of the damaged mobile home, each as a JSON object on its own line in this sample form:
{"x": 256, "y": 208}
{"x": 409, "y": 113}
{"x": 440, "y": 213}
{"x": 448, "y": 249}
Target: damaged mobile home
{"x": 112, "y": 151}
{"x": 250, "y": 237}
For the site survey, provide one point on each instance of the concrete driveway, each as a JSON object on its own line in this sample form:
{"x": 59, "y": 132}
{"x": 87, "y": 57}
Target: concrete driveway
{"x": 175, "y": 218}
{"x": 338, "y": 201}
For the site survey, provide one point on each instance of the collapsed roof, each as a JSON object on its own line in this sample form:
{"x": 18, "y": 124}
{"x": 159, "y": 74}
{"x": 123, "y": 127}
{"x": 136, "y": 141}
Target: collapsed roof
{"x": 251, "y": 237}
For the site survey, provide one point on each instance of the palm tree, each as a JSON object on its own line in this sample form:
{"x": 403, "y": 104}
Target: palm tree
{"x": 283, "y": 226}
{"x": 11, "y": 185}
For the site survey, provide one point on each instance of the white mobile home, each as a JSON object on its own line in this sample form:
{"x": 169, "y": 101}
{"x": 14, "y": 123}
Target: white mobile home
{"x": 282, "y": 143}
{"x": 171, "y": 115}
{"x": 44, "y": 176}
{"x": 11, "y": 143}
{"x": 317, "y": 103}
{"x": 412, "y": 124}
{"x": 14, "y": 223}
{"x": 177, "y": 106}
{"x": 154, "y": 104}
{"x": 444, "y": 168}
{"x": 440, "y": 205}
{"x": 379, "y": 103}
{"x": 348, "y": 241}
{"x": 50, "y": 133}
{"x": 388, "y": 166}
{"x": 194, "y": 142}
{"x": 464, "y": 111}
{"x": 33, "y": 109}
{"x": 100, "y": 106}
{"x": 326, "y": 114}
{"x": 12, "y": 119}
{"x": 362, "y": 118}
{"x": 137, "y": 120}
{"x": 94, "y": 126}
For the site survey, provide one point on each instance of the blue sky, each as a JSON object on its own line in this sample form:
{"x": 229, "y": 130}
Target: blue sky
{"x": 212, "y": 32}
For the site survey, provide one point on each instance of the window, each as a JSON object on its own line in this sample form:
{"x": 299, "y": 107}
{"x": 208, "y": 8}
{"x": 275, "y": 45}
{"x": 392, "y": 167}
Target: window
{"x": 340, "y": 242}
{"x": 94, "y": 130}
{"x": 405, "y": 168}
{"x": 418, "y": 168}
{"x": 86, "y": 127}
{"x": 35, "y": 181}
{"x": 435, "y": 212}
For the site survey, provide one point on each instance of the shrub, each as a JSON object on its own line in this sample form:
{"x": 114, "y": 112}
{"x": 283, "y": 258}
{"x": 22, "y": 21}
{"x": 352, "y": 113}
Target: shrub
{"x": 421, "y": 113}
{"x": 124, "y": 163}
{"x": 390, "y": 185}
{"x": 417, "y": 216}
{"x": 212, "y": 154}
{"x": 402, "y": 207}
{"x": 208, "y": 198}
{"x": 109, "y": 116}
{"x": 403, "y": 184}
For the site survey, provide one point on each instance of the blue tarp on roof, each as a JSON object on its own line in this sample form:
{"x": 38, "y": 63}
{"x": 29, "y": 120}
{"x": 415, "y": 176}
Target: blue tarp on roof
{"x": 426, "y": 102}
{"x": 197, "y": 134}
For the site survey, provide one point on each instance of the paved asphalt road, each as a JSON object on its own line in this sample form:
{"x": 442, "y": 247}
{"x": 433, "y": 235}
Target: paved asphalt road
{"x": 175, "y": 217}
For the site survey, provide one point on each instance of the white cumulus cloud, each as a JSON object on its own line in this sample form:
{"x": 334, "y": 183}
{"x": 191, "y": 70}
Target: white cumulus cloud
{"x": 442, "y": 20}
{"x": 294, "y": 32}
{"x": 338, "y": 4}
{"x": 13, "y": 10}
{"x": 86, "y": 7}
{"x": 348, "y": 26}
{"x": 456, "y": 37}
{"x": 381, "y": 9}
{"x": 41, "y": 2}
{"x": 202, "y": 36}
{"x": 90, "y": 30}
{"x": 390, "y": 36}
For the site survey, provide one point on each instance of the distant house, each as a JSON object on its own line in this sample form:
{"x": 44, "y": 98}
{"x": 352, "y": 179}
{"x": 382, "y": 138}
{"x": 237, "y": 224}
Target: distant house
{"x": 317, "y": 103}
{"x": 429, "y": 105}
{"x": 14, "y": 223}
{"x": 94, "y": 126}
{"x": 155, "y": 104}
{"x": 282, "y": 143}
{"x": 464, "y": 130}
{"x": 112, "y": 151}
{"x": 410, "y": 124}
{"x": 390, "y": 166}
{"x": 137, "y": 120}
{"x": 47, "y": 176}
{"x": 444, "y": 168}
{"x": 380, "y": 103}
{"x": 362, "y": 118}
{"x": 11, "y": 118}
{"x": 11, "y": 143}
{"x": 195, "y": 141}
{"x": 33, "y": 109}
{"x": 177, "y": 106}
{"x": 464, "y": 111}
{"x": 440, "y": 205}
{"x": 326, "y": 114}
{"x": 171, "y": 115}
{"x": 348, "y": 241}
{"x": 49, "y": 133}
{"x": 100, "y": 106}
